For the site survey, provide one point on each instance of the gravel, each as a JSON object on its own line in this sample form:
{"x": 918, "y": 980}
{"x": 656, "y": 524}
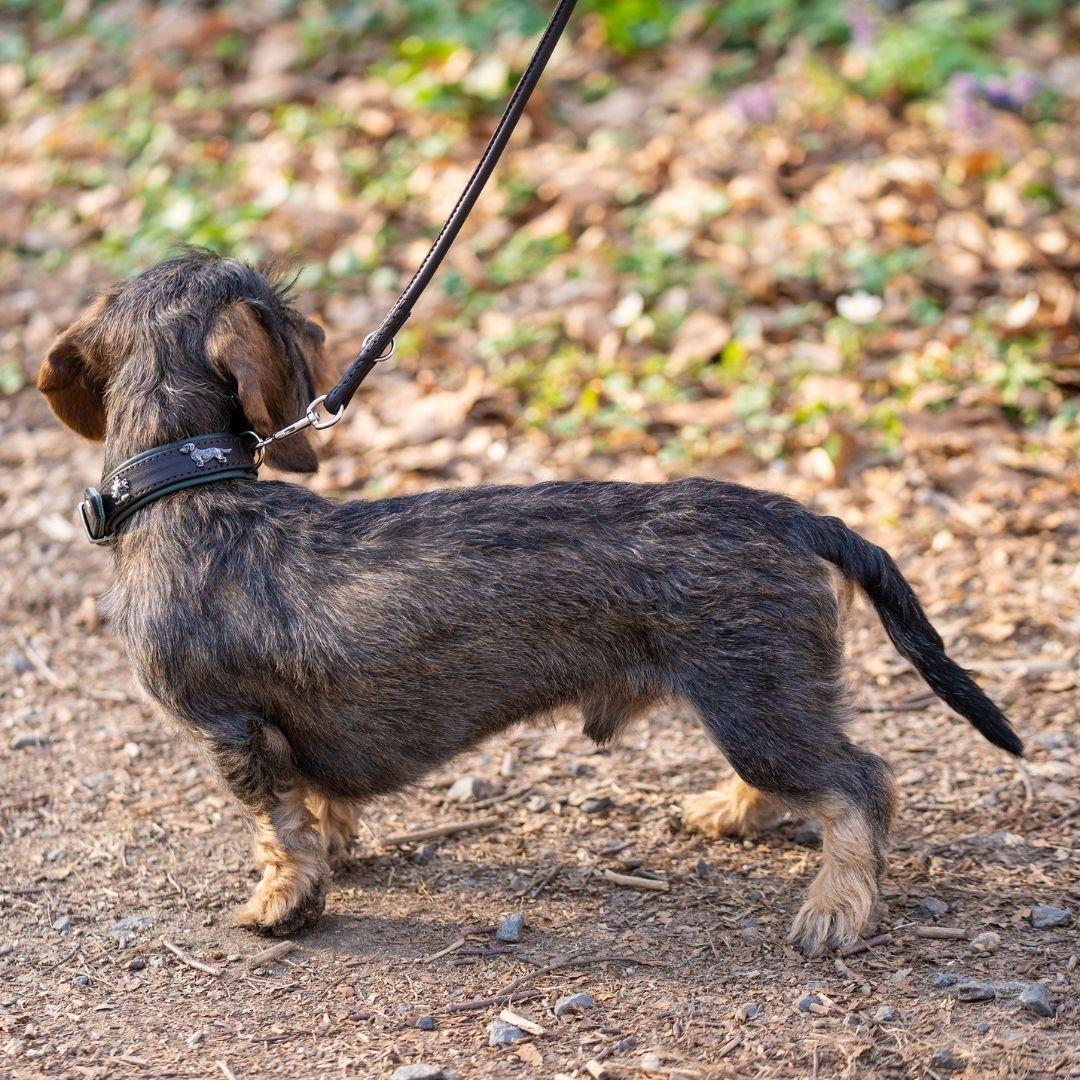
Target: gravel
{"x": 933, "y": 908}
{"x": 468, "y": 789}
{"x": 805, "y": 1002}
{"x": 1047, "y": 916}
{"x": 423, "y": 854}
{"x": 976, "y": 991}
{"x": 597, "y": 806}
{"x": 574, "y": 1003}
{"x": 425, "y": 1023}
{"x": 510, "y": 927}
{"x": 500, "y": 1033}
{"x": 886, "y": 1014}
{"x": 417, "y": 1072}
{"x": 986, "y": 942}
{"x": 946, "y": 1060}
{"x": 1035, "y": 999}
{"x": 28, "y": 740}
{"x": 945, "y": 979}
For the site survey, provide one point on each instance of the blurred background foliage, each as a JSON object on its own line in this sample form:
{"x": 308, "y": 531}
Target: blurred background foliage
{"x": 780, "y": 228}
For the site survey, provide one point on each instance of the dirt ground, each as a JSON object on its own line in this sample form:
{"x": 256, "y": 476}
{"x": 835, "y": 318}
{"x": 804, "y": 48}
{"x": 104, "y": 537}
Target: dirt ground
{"x": 116, "y": 837}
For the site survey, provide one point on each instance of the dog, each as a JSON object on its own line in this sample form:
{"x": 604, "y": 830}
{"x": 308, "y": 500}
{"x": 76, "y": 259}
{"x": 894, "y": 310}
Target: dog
{"x": 326, "y": 653}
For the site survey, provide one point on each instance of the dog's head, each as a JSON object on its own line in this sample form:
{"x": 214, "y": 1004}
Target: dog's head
{"x": 193, "y": 345}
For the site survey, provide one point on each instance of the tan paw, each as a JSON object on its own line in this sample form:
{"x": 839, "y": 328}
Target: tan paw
{"x": 820, "y": 927}
{"x": 735, "y": 809}
{"x": 284, "y": 901}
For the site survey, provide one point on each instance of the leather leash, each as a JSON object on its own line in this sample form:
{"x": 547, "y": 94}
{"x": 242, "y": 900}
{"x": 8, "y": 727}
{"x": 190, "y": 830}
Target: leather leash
{"x": 379, "y": 344}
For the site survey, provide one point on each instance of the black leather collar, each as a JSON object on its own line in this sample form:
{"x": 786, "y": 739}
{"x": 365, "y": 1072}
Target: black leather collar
{"x": 148, "y": 476}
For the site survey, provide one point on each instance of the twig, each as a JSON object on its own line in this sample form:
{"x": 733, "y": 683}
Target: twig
{"x": 17, "y": 801}
{"x": 863, "y": 945}
{"x": 38, "y": 663}
{"x": 198, "y": 965}
{"x": 271, "y": 955}
{"x": 523, "y": 1022}
{"x": 569, "y": 960}
{"x": 229, "y": 1074}
{"x": 941, "y": 933}
{"x": 1025, "y": 777}
{"x": 484, "y": 1003}
{"x": 845, "y": 970}
{"x": 436, "y": 831}
{"x": 453, "y": 947}
{"x": 506, "y": 796}
{"x": 629, "y": 881}
{"x": 729, "y": 1046}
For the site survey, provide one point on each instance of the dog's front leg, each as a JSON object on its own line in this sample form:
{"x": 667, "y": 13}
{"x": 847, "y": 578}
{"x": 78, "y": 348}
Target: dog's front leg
{"x": 289, "y": 848}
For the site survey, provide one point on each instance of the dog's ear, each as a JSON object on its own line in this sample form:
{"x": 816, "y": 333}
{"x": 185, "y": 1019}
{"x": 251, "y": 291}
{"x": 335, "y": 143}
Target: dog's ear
{"x": 269, "y": 391}
{"x": 70, "y": 386}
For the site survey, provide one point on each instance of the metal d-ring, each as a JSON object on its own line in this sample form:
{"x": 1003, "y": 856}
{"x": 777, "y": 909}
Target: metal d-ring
{"x": 390, "y": 346}
{"x": 312, "y": 416}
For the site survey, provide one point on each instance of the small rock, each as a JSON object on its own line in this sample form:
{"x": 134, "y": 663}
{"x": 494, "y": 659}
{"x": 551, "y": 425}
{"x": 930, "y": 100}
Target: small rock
{"x": 537, "y": 804}
{"x": 982, "y": 1028}
{"x": 853, "y": 1020}
{"x": 81, "y": 980}
{"x": 946, "y": 1060}
{"x": 61, "y": 925}
{"x": 423, "y": 854}
{"x": 136, "y": 963}
{"x": 417, "y": 1072}
{"x": 510, "y": 927}
{"x": 17, "y": 662}
{"x": 754, "y": 895}
{"x": 807, "y": 1001}
{"x": 468, "y": 789}
{"x": 1046, "y": 916}
{"x": 976, "y": 991}
{"x": 1036, "y": 1000}
{"x": 425, "y": 1023}
{"x": 808, "y": 834}
{"x": 754, "y": 1013}
{"x": 6, "y": 949}
{"x": 28, "y": 740}
{"x": 986, "y": 942}
{"x": 651, "y": 1062}
{"x": 126, "y": 927}
{"x": 1054, "y": 740}
{"x": 624, "y": 1044}
{"x": 945, "y": 979}
{"x": 573, "y": 1003}
{"x": 500, "y": 1033}
{"x": 932, "y": 907}
{"x": 886, "y": 1014}
{"x": 597, "y": 806}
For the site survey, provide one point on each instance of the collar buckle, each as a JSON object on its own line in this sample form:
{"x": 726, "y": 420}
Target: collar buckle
{"x": 92, "y": 512}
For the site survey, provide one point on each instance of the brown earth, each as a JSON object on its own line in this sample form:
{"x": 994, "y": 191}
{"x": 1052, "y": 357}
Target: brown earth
{"x": 114, "y": 816}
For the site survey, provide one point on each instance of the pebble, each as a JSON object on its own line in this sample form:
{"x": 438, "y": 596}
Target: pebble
{"x": 1046, "y": 916}
{"x": 81, "y": 980}
{"x": 61, "y": 925}
{"x": 425, "y": 1023}
{"x": 945, "y": 1059}
{"x": 808, "y": 834}
{"x": 1036, "y": 1000}
{"x": 123, "y": 927}
{"x": 945, "y": 979}
{"x": 500, "y": 1033}
{"x": 136, "y": 963}
{"x": 510, "y": 927}
{"x": 853, "y": 1020}
{"x": 886, "y": 1014}
{"x": 933, "y": 908}
{"x": 28, "y": 740}
{"x": 754, "y": 1013}
{"x": 537, "y": 804}
{"x": 468, "y": 789}
{"x": 6, "y": 949}
{"x": 986, "y": 942}
{"x": 982, "y": 1028}
{"x": 807, "y": 1001}
{"x": 597, "y": 806}
{"x": 1054, "y": 740}
{"x": 651, "y": 1062}
{"x": 573, "y": 1003}
{"x": 417, "y": 1072}
{"x": 423, "y": 854}
{"x": 17, "y": 662}
{"x": 976, "y": 991}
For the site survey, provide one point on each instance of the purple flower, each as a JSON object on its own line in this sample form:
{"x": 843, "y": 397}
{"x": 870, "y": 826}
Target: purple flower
{"x": 860, "y": 25}
{"x": 756, "y": 104}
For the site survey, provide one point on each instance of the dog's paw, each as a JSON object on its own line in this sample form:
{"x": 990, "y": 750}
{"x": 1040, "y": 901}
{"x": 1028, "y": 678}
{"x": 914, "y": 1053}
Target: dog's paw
{"x": 818, "y": 928}
{"x": 736, "y": 809}
{"x": 283, "y": 902}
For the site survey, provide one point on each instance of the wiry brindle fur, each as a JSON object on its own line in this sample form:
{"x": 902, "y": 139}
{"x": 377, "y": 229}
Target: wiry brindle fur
{"x": 327, "y": 653}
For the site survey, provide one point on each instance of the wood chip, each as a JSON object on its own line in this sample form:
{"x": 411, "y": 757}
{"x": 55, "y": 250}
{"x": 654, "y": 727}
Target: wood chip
{"x": 523, "y": 1022}
{"x": 436, "y": 831}
{"x": 629, "y": 881}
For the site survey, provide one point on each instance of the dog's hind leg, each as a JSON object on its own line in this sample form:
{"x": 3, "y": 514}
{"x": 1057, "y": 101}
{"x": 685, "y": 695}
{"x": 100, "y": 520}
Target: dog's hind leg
{"x": 788, "y": 757}
{"x": 288, "y": 846}
{"x": 336, "y": 821}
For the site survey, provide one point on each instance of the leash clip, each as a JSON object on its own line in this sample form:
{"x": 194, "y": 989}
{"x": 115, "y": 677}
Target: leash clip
{"x": 310, "y": 418}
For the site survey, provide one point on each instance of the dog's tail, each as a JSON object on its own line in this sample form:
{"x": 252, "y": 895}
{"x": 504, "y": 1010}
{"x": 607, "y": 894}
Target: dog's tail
{"x": 906, "y": 624}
